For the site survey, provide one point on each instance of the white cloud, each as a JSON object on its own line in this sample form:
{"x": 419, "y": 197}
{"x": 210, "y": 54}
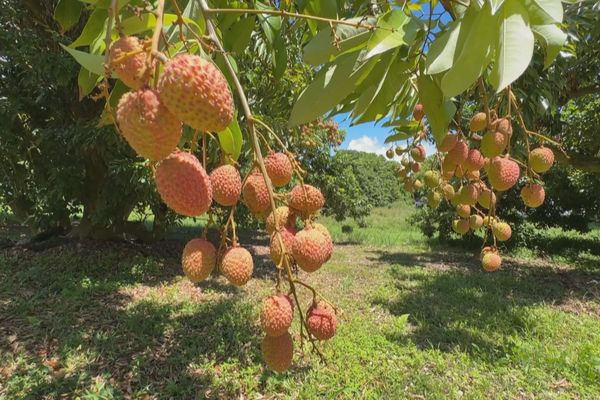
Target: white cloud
{"x": 367, "y": 144}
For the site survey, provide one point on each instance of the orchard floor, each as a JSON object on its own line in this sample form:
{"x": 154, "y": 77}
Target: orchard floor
{"x": 118, "y": 320}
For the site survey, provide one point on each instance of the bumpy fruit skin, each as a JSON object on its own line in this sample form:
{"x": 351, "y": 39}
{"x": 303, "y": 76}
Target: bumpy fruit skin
{"x": 131, "y": 70}
{"x": 278, "y": 351}
{"x": 237, "y": 265}
{"x": 328, "y": 240}
{"x": 487, "y": 198}
{"x": 475, "y": 221}
{"x": 533, "y": 195}
{"x": 448, "y": 143}
{"x": 226, "y": 184}
{"x": 432, "y": 179}
{"x": 311, "y": 249}
{"x": 321, "y": 321}
{"x": 287, "y": 237}
{"x": 448, "y": 190}
{"x": 502, "y": 231}
{"x": 469, "y": 194}
{"x": 458, "y": 154}
{"x": 418, "y": 112}
{"x": 461, "y": 226}
{"x": 504, "y": 126}
{"x": 493, "y": 144}
{"x": 285, "y": 217}
{"x": 256, "y": 193}
{"x": 478, "y": 122}
{"x": 418, "y": 153}
{"x": 491, "y": 261}
{"x": 463, "y": 210}
{"x": 197, "y": 93}
{"x": 198, "y": 259}
{"x": 279, "y": 168}
{"x": 503, "y": 173}
{"x": 149, "y": 128}
{"x": 541, "y": 159}
{"x": 306, "y": 199}
{"x": 474, "y": 161}
{"x": 183, "y": 184}
{"x": 276, "y": 314}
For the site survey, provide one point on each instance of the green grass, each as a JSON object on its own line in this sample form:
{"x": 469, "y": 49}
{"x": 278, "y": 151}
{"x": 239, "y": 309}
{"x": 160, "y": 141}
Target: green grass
{"x": 115, "y": 320}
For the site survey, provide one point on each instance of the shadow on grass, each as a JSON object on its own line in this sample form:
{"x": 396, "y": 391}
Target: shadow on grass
{"x": 78, "y": 303}
{"x": 453, "y": 304}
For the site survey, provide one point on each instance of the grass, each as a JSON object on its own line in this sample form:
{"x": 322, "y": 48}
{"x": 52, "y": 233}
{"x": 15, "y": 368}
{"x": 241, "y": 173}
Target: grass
{"x": 115, "y": 320}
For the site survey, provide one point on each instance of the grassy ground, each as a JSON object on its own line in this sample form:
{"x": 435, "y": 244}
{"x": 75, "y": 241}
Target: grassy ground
{"x": 419, "y": 321}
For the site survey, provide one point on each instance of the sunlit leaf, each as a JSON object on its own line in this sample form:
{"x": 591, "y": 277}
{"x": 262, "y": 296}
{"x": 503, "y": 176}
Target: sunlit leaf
{"x": 92, "y": 62}
{"x": 67, "y": 13}
{"x": 93, "y": 28}
{"x": 438, "y": 109}
{"x": 397, "y": 29}
{"x": 554, "y": 39}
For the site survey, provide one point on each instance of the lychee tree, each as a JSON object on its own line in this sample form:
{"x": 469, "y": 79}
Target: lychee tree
{"x": 167, "y": 73}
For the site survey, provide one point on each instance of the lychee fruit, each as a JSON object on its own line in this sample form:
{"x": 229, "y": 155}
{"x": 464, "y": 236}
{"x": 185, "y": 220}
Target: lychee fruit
{"x": 279, "y": 168}
{"x": 541, "y": 159}
{"x": 306, "y": 198}
{"x": 328, "y": 239}
{"x": 490, "y": 260}
{"x": 130, "y": 69}
{"x": 493, "y": 144}
{"x": 417, "y": 184}
{"x": 183, "y": 184}
{"x": 198, "y": 259}
{"x": 474, "y": 161}
{"x": 478, "y": 122}
{"x": 276, "y": 314}
{"x": 487, "y": 198}
{"x": 226, "y": 184}
{"x": 418, "y": 112}
{"x": 408, "y": 185}
{"x": 197, "y": 93}
{"x": 286, "y": 235}
{"x": 448, "y": 191}
{"x": 502, "y": 231}
{"x": 533, "y": 195}
{"x": 389, "y": 153}
{"x": 237, "y": 265}
{"x": 504, "y": 126}
{"x": 431, "y": 178}
{"x": 399, "y": 150}
{"x": 447, "y": 143}
{"x": 503, "y": 173}
{"x": 473, "y": 175}
{"x": 149, "y": 128}
{"x": 434, "y": 199}
{"x": 463, "y": 210}
{"x": 311, "y": 249}
{"x": 469, "y": 194}
{"x": 285, "y": 217}
{"x": 418, "y": 153}
{"x": 458, "y": 154}
{"x": 256, "y": 193}
{"x": 461, "y": 226}
{"x": 278, "y": 351}
{"x": 415, "y": 167}
{"x": 475, "y": 221}
{"x": 321, "y": 321}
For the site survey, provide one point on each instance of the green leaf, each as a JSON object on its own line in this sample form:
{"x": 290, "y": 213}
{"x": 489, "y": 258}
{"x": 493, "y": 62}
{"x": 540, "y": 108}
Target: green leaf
{"x": 321, "y": 49}
{"x": 146, "y": 22}
{"x": 231, "y": 139}
{"x": 91, "y": 62}
{"x": 495, "y": 5}
{"x": 396, "y": 137}
{"x": 554, "y": 39}
{"x": 405, "y": 29}
{"x": 475, "y": 54}
{"x": 439, "y": 110}
{"x": 92, "y": 29}
{"x": 67, "y": 13}
{"x": 441, "y": 54}
{"x": 238, "y": 36}
{"x": 320, "y": 8}
{"x": 280, "y": 57}
{"x": 271, "y": 25}
{"x": 515, "y": 45}
{"x": 544, "y": 12}
{"x": 86, "y": 81}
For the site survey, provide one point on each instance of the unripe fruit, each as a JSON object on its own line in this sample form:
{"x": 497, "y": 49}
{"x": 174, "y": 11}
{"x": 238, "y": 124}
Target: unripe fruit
{"x": 276, "y": 314}
{"x": 475, "y": 221}
{"x": 306, "y": 198}
{"x": 533, "y": 195}
{"x": 478, "y": 122}
{"x": 469, "y": 194}
{"x": 448, "y": 190}
{"x": 458, "y": 154}
{"x": 432, "y": 179}
{"x": 226, "y": 184}
{"x": 502, "y": 231}
{"x": 448, "y": 143}
{"x": 417, "y": 184}
{"x": 321, "y": 321}
{"x": 278, "y": 351}
{"x": 541, "y": 159}
{"x": 399, "y": 150}
{"x": 503, "y": 173}
{"x": 474, "y": 161}
{"x": 198, "y": 259}
{"x": 463, "y": 210}
{"x": 279, "y": 168}
{"x": 418, "y": 153}
{"x": 491, "y": 261}
{"x": 389, "y": 153}
{"x": 459, "y": 171}
{"x": 287, "y": 237}
{"x": 256, "y": 193}
{"x": 434, "y": 199}
{"x": 418, "y": 112}
{"x": 129, "y": 69}
{"x": 473, "y": 175}
{"x": 489, "y": 220}
{"x": 493, "y": 144}
{"x": 197, "y": 93}
{"x": 284, "y": 217}
{"x": 183, "y": 184}
{"x": 149, "y": 128}
{"x": 461, "y": 226}
{"x": 311, "y": 249}
{"x": 405, "y": 162}
{"x": 237, "y": 265}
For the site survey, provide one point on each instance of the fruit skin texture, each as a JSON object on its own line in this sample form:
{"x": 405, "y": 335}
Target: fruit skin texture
{"x": 415, "y": 167}
{"x": 418, "y": 153}
{"x": 237, "y": 265}
{"x": 196, "y": 91}
{"x": 131, "y": 70}
{"x": 448, "y": 143}
{"x": 448, "y": 190}
{"x": 475, "y": 221}
{"x": 226, "y": 184}
{"x": 306, "y": 198}
{"x": 434, "y": 199}
{"x": 504, "y": 126}
{"x": 493, "y": 144}
{"x": 287, "y": 236}
{"x": 486, "y": 198}
{"x": 311, "y": 249}
{"x": 491, "y": 261}
{"x": 541, "y": 159}
{"x": 478, "y": 122}
{"x": 276, "y": 314}
{"x": 183, "y": 184}
{"x": 321, "y": 321}
{"x": 328, "y": 240}
{"x": 502, "y": 231}
{"x": 279, "y": 168}
{"x": 474, "y": 161}
{"x": 461, "y": 226}
{"x": 469, "y": 194}
{"x": 285, "y": 216}
{"x": 431, "y": 178}
{"x": 533, "y": 195}
{"x": 256, "y": 194}
{"x": 463, "y": 210}
{"x": 418, "y": 112}
{"x": 389, "y": 153}
{"x": 458, "y": 154}
{"x": 198, "y": 259}
{"x": 503, "y": 173}
{"x": 149, "y": 128}
{"x": 278, "y": 351}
